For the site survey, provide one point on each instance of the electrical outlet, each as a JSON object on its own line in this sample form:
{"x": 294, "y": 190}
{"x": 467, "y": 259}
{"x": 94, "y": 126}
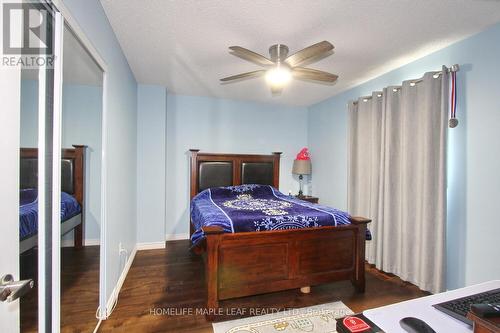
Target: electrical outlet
{"x": 122, "y": 250}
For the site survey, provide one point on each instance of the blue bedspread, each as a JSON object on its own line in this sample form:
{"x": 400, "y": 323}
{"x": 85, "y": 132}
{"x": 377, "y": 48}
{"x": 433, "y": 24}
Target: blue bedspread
{"x": 28, "y": 211}
{"x": 258, "y": 208}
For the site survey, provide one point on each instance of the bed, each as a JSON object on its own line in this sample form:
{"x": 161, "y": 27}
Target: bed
{"x": 254, "y": 262}
{"x": 72, "y": 195}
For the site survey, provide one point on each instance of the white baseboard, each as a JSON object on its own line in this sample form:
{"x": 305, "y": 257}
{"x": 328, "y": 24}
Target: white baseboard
{"x": 88, "y": 242}
{"x": 113, "y": 298}
{"x": 171, "y": 237}
{"x": 92, "y": 242}
{"x": 67, "y": 243}
{"x": 150, "y": 246}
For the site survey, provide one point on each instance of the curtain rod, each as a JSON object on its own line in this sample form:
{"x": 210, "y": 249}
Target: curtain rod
{"x": 436, "y": 74}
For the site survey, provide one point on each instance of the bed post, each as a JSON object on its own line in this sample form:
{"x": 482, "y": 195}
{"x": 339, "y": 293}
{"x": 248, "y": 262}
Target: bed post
{"x": 276, "y": 169}
{"x": 213, "y": 234}
{"x": 79, "y": 192}
{"x": 358, "y": 279}
{"x": 193, "y": 182}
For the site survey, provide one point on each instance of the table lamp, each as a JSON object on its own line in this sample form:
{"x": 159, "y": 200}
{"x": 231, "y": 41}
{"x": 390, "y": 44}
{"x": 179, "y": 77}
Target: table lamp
{"x": 302, "y": 166}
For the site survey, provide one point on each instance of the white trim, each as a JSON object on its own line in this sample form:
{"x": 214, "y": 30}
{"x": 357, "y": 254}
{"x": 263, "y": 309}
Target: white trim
{"x": 42, "y": 309}
{"x": 92, "y": 242}
{"x": 104, "y": 168}
{"x": 113, "y": 298}
{"x": 56, "y": 171}
{"x": 172, "y": 237}
{"x": 82, "y": 37}
{"x": 75, "y": 27}
{"x": 67, "y": 243}
{"x": 10, "y": 97}
{"x": 150, "y": 246}
{"x": 88, "y": 242}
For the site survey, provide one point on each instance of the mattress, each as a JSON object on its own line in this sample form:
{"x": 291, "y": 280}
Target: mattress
{"x": 28, "y": 211}
{"x": 251, "y": 207}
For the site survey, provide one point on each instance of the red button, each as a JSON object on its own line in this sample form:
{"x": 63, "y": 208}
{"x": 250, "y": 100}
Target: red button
{"x": 355, "y": 324}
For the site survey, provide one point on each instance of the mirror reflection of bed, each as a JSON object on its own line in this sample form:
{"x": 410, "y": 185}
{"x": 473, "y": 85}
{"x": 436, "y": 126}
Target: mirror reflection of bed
{"x": 28, "y": 257}
{"x": 81, "y": 141}
{"x": 72, "y": 213}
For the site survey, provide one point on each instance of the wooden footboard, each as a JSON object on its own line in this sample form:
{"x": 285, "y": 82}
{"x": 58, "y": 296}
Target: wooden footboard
{"x": 250, "y": 263}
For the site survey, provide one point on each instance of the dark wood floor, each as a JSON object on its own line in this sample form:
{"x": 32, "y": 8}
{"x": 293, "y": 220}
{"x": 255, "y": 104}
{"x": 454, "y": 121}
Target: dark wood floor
{"x": 80, "y": 290}
{"x": 171, "y": 281}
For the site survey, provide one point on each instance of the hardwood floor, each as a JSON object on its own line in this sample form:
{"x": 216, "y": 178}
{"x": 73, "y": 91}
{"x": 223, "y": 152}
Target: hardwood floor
{"x": 165, "y": 288}
{"x": 80, "y": 290}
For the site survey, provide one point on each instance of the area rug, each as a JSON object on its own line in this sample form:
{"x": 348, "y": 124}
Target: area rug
{"x": 316, "y": 319}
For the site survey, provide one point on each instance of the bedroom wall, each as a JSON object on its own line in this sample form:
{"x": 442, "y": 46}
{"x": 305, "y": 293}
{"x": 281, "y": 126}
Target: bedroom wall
{"x": 151, "y": 158}
{"x": 474, "y": 152}
{"x": 121, "y": 138}
{"x": 220, "y": 125}
{"x": 81, "y": 124}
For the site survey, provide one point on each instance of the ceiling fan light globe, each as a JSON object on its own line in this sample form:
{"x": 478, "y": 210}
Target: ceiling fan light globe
{"x": 278, "y": 77}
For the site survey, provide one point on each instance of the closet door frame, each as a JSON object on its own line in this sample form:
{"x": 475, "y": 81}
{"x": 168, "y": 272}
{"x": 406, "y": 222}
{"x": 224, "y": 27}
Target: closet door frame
{"x": 66, "y": 18}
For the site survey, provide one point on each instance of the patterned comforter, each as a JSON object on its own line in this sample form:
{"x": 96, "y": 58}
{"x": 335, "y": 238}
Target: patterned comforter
{"x": 28, "y": 211}
{"x": 258, "y": 208}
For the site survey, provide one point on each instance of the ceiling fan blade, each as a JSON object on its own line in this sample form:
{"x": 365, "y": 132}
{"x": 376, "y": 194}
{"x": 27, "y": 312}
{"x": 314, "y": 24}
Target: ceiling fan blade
{"x": 313, "y": 74}
{"x": 246, "y": 75}
{"x": 308, "y": 53}
{"x": 251, "y": 56}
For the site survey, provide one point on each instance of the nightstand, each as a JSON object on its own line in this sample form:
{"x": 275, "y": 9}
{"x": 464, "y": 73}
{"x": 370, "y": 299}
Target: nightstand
{"x": 308, "y": 198}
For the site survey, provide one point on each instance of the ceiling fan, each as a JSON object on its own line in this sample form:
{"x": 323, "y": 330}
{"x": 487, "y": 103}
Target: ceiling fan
{"x": 280, "y": 67}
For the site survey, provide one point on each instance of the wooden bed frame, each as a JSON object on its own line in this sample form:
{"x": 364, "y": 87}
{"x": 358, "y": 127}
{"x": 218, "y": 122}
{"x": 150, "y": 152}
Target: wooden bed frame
{"x": 75, "y": 157}
{"x": 251, "y": 263}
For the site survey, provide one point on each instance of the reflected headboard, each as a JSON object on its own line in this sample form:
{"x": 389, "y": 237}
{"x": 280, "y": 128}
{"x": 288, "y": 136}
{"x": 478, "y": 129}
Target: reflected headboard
{"x": 72, "y": 170}
{"x": 213, "y": 170}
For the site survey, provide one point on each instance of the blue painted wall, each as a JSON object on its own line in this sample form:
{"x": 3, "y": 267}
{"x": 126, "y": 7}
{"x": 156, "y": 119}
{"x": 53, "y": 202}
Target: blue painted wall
{"x": 121, "y": 137}
{"x": 227, "y": 126}
{"x": 474, "y": 153}
{"x": 151, "y": 158}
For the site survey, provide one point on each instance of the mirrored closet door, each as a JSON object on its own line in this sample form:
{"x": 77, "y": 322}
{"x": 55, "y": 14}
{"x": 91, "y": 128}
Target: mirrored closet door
{"x": 35, "y": 167}
{"x": 81, "y": 143}
{"x": 28, "y": 196}
{"x": 52, "y": 148}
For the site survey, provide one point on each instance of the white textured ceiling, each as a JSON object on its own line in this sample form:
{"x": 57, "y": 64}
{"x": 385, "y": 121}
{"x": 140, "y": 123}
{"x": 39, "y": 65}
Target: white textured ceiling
{"x": 183, "y": 44}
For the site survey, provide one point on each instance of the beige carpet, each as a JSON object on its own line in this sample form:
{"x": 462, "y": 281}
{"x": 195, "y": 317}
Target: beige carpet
{"x": 316, "y": 319}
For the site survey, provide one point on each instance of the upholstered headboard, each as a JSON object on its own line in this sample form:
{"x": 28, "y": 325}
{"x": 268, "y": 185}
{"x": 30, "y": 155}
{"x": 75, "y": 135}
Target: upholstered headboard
{"x": 72, "y": 170}
{"x": 212, "y": 170}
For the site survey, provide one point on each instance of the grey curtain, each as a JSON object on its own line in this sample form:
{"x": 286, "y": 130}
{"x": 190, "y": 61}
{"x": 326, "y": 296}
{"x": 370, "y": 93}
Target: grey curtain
{"x": 397, "y": 177}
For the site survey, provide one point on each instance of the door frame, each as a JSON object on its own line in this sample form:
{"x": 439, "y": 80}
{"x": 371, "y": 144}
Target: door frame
{"x": 12, "y": 90}
{"x": 88, "y": 45}
{"x": 10, "y": 95}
